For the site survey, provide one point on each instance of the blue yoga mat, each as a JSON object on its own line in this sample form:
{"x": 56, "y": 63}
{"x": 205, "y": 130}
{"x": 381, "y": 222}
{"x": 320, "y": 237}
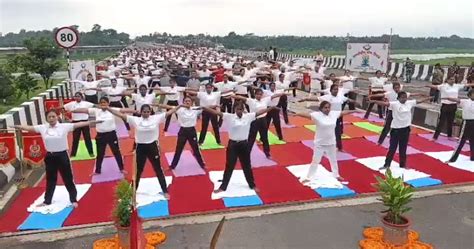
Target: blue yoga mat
{"x": 335, "y": 192}
{"x": 154, "y": 210}
{"x": 252, "y": 200}
{"x": 424, "y": 182}
{"x": 37, "y": 221}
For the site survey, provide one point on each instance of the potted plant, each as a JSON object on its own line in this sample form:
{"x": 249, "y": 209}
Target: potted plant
{"x": 123, "y": 211}
{"x": 395, "y": 195}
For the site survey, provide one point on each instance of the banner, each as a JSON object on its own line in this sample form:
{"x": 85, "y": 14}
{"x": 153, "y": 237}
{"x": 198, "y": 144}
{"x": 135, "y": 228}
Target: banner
{"x": 79, "y": 71}
{"x": 56, "y": 104}
{"x": 33, "y": 149}
{"x": 7, "y": 148}
{"x": 367, "y": 57}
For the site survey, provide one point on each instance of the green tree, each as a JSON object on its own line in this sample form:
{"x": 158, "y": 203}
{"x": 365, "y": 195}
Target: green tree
{"x": 25, "y": 84}
{"x": 6, "y": 85}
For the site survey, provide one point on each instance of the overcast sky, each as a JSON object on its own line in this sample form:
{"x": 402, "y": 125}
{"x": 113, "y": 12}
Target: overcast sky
{"x": 419, "y": 18}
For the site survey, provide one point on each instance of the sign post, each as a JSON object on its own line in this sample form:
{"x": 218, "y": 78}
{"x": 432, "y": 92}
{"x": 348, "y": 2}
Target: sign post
{"x": 67, "y": 38}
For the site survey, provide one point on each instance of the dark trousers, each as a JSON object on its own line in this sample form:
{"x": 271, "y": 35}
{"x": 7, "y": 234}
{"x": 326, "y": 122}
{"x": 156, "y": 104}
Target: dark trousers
{"x": 187, "y": 134}
{"x": 371, "y": 105}
{"x": 350, "y": 95}
{"x": 240, "y": 150}
{"x": 467, "y": 133}
{"x": 168, "y": 119}
{"x": 275, "y": 116}
{"x": 386, "y": 127}
{"x": 398, "y": 138}
{"x": 92, "y": 98}
{"x": 226, "y": 106}
{"x": 124, "y": 102}
{"x": 294, "y": 84}
{"x": 283, "y": 105}
{"x": 76, "y": 135}
{"x": 338, "y": 131}
{"x": 102, "y": 140}
{"x": 151, "y": 152}
{"x": 206, "y": 116}
{"x": 54, "y": 162}
{"x": 435, "y": 94}
{"x": 119, "y": 104}
{"x": 447, "y": 114}
{"x": 259, "y": 125}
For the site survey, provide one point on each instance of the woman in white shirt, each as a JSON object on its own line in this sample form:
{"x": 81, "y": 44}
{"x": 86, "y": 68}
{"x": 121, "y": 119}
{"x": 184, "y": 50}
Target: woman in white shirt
{"x": 80, "y": 117}
{"x": 238, "y": 124}
{"x": 324, "y": 139}
{"x": 187, "y": 118}
{"x": 376, "y": 87}
{"x": 147, "y": 133}
{"x": 467, "y": 130}
{"x": 347, "y": 81}
{"x": 274, "y": 115}
{"x": 88, "y": 87}
{"x": 54, "y": 135}
{"x": 400, "y": 127}
{"x": 448, "y": 107}
{"x": 172, "y": 94}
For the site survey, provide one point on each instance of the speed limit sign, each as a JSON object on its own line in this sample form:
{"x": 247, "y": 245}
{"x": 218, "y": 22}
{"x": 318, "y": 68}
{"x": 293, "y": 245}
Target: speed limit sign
{"x": 66, "y": 37}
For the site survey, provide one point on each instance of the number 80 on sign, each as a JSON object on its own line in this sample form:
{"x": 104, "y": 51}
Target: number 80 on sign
{"x": 66, "y": 37}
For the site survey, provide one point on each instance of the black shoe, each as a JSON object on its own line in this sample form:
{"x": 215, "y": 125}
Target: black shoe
{"x": 384, "y": 167}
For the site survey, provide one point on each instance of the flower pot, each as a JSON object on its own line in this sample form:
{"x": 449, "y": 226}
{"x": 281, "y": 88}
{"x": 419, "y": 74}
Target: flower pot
{"x": 395, "y": 234}
{"x": 123, "y": 236}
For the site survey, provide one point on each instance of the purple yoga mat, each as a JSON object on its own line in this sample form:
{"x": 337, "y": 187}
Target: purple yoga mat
{"x": 187, "y": 165}
{"x": 284, "y": 125}
{"x": 371, "y": 118}
{"x": 122, "y": 131}
{"x": 110, "y": 171}
{"x": 173, "y": 129}
{"x": 258, "y": 158}
{"x": 445, "y": 141}
{"x": 386, "y": 144}
{"x": 341, "y": 156}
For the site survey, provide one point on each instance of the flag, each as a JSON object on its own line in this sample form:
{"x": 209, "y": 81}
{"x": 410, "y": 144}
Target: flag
{"x": 33, "y": 149}
{"x": 137, "y": 237}
{"x": 7, "y": 148}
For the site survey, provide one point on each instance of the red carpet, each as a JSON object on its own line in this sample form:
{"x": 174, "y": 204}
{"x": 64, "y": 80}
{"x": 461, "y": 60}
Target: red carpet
{"x": 300, "y": 121}
{"x": 352, "y": 119}
{"x": 215, "y": 159}
{"x": 355, "y": 132}
{"x": 295, "y": 135}
{"x": 16, "y": 212}
{"x": 362, "y": 148}
{"x": 291, "y": 154}
{"x": 148, "y": 170}
{"x": 360, "y": 178}
{"x": 278, "y": 185}
{"x": 89, "y": 211}
{"x": 416, "y": 130}
{"x": 192, "y": 194}
{"x": 438, "y": 169}
{"x": 425, "y": 145}
{"x": 126, "y": 147}
{"x": 82, "y": 171}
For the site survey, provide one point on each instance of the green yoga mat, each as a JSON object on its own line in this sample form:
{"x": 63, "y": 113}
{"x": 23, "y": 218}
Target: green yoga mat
{"x": 272, "y": 139}
{"x": 82, "y": 153}
{"x": 313, "y": 129}
{"x": 368, "y": 126}
{"x": 210, "y": 142}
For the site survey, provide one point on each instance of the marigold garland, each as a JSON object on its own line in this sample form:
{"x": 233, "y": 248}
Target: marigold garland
{"x": 374, "y": 240}
{"x": 153, "y": 239}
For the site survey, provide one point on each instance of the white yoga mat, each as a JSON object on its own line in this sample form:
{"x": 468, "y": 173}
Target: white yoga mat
{"x": 60, "y": 200}
{"x": 374, "y": 163}
{"x": 237, "y": 187}
{"x": 149, "y": 190}
{"x": 322, "y": 179}
{"x": 464, "y": 162}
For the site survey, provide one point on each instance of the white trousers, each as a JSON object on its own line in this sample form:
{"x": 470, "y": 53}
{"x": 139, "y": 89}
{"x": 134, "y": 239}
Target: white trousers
{"x": 331, "y": 154}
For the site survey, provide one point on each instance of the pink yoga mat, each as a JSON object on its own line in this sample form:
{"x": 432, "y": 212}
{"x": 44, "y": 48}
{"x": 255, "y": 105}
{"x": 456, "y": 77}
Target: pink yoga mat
{"x": 110, "y": 171}
{"x": 173, "y": 129}
{"x": 445, "y": 141}
{"x": 341, "y": 156}
{"x": 371, "y": 118}
{"x": 122, "y": 131}
{"x": 258, "y": 158}
{"x": 187, "y": 165}
{"x": 386, "y": 144}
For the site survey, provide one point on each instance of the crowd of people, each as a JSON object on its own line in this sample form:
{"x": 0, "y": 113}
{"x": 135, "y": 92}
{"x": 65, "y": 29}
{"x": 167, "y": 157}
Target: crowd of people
{"x": 245, "y": 95}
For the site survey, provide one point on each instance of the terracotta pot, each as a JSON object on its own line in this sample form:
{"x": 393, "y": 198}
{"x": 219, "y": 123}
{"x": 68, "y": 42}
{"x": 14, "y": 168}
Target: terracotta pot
{"x": 123, "y": 236}
{"x": 395, "y": 234}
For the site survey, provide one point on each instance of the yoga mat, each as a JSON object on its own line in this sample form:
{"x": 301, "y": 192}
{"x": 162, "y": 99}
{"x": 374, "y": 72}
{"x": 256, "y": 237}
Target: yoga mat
{"x": 81, "y": 171}
{"x": 425, "y": 145}
{"x": 299, "y": 121}
{"x": 438, "y": 169}
{"x": 341, "y": 156}
{"x": 285, "y": 125}
{"x": 39, "y": 221}
{"x": 357, "y": 132}
{"x": 173, "y": 129}
{"x": 291, "y": 154}
{"x": 443, "y": 140}
{"x": 374, "y": 163}
{"x": 237, "y": 187}
{"x": 360, "y": 178}
{"x": 353, "y": 118}
{"x": 297, "y": 134}
{"x": 82, "y": 153}
{"x": 154, "y": 210}
{"x": 168, "y": 143}
{"x": 272, "y": 139}
{"x": 322, "y": 179}
{"x": 335, "y": 192}
{"x": 386, "y": 144}
{"x": 96, "y": 206}
{"x": 16, "y": 213}
{"x": 210, "y": 142}
{"x": 288, "y": 187}
{"x": 361, "y": 148}
{"x": 110, "y": 171}
{"x": 122, "y": 131}
{"x": 215, "y": 159}
{"x": 424, "y": 182}
{"x": 368, "y": 126}
{"x": 416, "y": 130}
{"x": 187, "y": 165}
{"x": 149, "y": 191}
{"x": 125, "y": 145}
{"x": 60, "y": 200}
{"x": 371, "y": 118}
{"x": 463, "y": 162}
{"x": 195, "y": 190}
{"x": 244, "y": 201}
{"x": 259, "y": 159}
